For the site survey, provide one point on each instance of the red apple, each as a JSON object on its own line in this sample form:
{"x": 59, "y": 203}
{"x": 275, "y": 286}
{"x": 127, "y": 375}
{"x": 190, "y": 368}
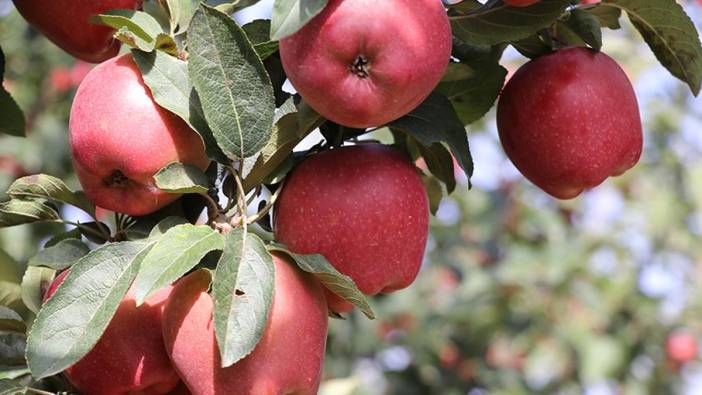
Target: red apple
{"x": 287, "y": 360}
{"x": 364, "y": 63}
{"x": 66, "y": 23}
{"x": 520, "y": 3}
{"x": 130, "y": 357}
{"x": 681, "y": 347}
{"x": 120, "y": 138}
{"x": 568, "y": 120}
{"x": 365, "y": 209}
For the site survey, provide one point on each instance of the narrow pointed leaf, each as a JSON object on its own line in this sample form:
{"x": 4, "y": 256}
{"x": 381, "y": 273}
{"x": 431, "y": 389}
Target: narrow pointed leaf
{"x": 340, "y": 284}
{"x": 243, "y": 295}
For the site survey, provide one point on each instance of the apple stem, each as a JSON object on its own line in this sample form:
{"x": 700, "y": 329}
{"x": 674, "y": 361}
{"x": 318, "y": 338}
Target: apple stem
{"x": 263, "y": 211}
{"x": 102, "y": 233}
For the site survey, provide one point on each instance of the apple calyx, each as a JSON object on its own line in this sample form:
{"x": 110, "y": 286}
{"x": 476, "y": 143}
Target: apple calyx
{"x": 361, "y": 67}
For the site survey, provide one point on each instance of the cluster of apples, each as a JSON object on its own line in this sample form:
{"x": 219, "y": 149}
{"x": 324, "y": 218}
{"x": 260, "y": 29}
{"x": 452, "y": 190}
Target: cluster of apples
{"x": 360, "y": 64}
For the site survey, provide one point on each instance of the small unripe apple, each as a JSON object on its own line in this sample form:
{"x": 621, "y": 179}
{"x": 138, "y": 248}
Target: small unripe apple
{"x": 287, "y": 360}
{"x": 120, "y": 138}
{"x": 66, "y": 23}
{"x": 130, "y": 357}
{"x": 569, "y": 120}
{"x": 363, "y": 63}
{"x": 365, "y": 209}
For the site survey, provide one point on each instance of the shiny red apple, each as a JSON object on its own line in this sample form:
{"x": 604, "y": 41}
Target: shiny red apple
{"x": 365, "y": 209}
{"x": 120, "y": 138}
{"x": 287, "y": 360}
{"x": 363, "y": 63}
{"x": 66, "y": 23}
{"x": 569, "y": 120}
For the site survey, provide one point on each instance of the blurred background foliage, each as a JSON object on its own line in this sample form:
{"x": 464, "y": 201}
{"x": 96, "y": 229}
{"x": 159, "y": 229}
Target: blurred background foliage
{"x": 520, "y": 293}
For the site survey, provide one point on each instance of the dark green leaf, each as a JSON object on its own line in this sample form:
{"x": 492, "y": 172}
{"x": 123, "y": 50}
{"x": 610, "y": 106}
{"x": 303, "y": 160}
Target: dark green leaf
{"x": 180, "y": 249}
{"x": 472, "y": 90}
{"x": 234, "y": 88}
{"x": 43, "y": 186}
{"x": 11, "y": 321}
{"x": 434, "y": 192}
{"x": 162, "y": 227}
{"x": 181, "y": 178}
{"x": 435, "y": 121}
{"x": 583, "y": 27}
{"x": 289, "y": 16}
{"x": 12, "y": 121}
{"x": 670, "y": 34}
{"x": 19, "y": 212}
{"x": 440, "y": 163}
{"x": 606, "y": 15}
{"x": 340, "y": 284}
{"x": 258, "y": 33}
{"x": 12, "y": 346}
{"x": 61, "y": 256}
{"x": 497, "y": 22}
{"x": 243, "y": 295}
{"x": 72, "y": 321}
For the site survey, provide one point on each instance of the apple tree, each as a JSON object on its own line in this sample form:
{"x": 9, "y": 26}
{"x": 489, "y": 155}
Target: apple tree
{"x": 219, "y": 242}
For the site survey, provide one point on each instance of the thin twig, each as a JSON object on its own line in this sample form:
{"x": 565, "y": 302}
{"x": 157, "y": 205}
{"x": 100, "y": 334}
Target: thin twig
{"x": 262, "y": 213}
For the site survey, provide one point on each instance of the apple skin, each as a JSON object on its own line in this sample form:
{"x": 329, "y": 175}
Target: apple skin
{"x": 287, "y": 360}
{"x": 569, "y": 120}
{"x": 681, "y": 347}
{"x": 120, "y": 138}
{"x": 129, "y": 358}
{"x": 407, "y": 47}
{"x": 365, "y": 209}
{"x": 520, "y": 3}
{"x": 66, "y": 23}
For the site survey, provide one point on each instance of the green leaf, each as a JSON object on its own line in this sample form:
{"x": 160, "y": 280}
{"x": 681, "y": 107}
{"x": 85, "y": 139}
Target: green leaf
{"x": 35, "y": 282}
{"x": 497, "y": 22}
{"x": 434, "y": 192}
{"x": 42, "y": 186}
{"x": 71, "y": 234}
{"x": 582, "y": 27}
{"x": 435, "y": 121}
{"x": 258, "y": 33}
{"x": 242, "y": 290}
{"x": 235, "y": 90}
{"x": 61, "y": 256}
{"x": 135, "y": 28}
{"x": 340, "y": 284}
{"x": 19, "y": 212}
{"x": 532, "y": 46}
{"x": 289, "y": 16}
{"x": 182, "y": 178}
{"x": 12, "y": 346}
{"x": 12, "y": 121}
{"x": 167, "y": 78}
{"x": 73, "y": 320}
{"x": 11, "y": 321}
{"x": 180, "y": 249}
{"x": 167, "y": 223}
{"x": 472, "y": 90}
{"x": 11, "y": 387}
{"x": 181, "y": 12}
{"x": 670, "y": 34}
{"x": 230, "y": 7}
{"x": 606, "y": 15}
{"x": 440, "y": 163}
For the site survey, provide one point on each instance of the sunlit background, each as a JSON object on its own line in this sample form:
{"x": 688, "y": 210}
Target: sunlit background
{"x": 520, "y": 293}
